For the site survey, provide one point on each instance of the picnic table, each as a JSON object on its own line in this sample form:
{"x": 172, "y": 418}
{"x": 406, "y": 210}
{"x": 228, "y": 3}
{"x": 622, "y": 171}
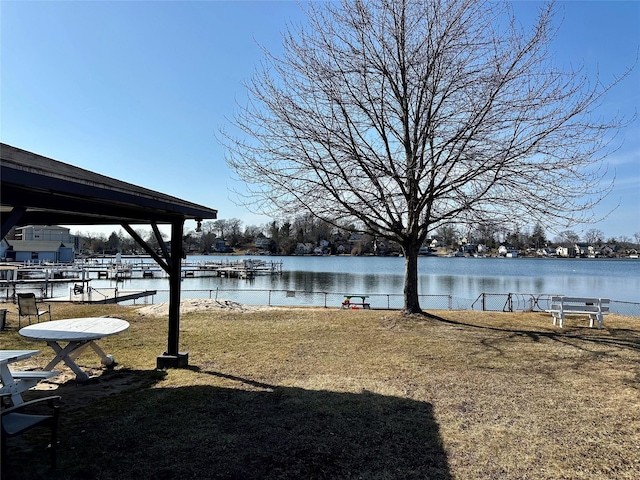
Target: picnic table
{"x": 14, "y": 382}
{"x": 78, "y": 333}
{"x": 348, "y": 303}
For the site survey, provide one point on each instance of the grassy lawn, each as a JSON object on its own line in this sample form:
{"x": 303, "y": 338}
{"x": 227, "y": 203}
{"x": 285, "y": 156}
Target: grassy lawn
{"x": 327, "y": 393}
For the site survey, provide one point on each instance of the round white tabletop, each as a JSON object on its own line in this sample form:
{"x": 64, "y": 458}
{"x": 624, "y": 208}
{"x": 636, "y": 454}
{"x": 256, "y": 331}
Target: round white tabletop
{"x": 75, "y": 329}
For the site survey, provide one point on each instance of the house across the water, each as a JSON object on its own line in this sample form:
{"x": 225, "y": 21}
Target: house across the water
{"x": 40, "y": 243}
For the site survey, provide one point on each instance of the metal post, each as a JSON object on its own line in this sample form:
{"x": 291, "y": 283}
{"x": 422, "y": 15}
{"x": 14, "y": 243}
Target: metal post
{"x": 174, "y": 292}
{"x": 172, "y": 358}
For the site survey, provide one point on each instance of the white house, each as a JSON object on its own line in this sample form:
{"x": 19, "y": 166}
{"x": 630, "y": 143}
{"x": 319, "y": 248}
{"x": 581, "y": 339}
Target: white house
{"x": 565, "y": 252}
{"x": 507, "y": 251}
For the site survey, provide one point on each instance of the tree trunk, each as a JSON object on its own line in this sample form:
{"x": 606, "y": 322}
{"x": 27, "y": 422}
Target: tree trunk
{"x": 411, "y": 302}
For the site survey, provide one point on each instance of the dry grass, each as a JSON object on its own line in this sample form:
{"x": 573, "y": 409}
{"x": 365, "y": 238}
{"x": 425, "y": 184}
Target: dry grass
{"x": 317, "y": 393}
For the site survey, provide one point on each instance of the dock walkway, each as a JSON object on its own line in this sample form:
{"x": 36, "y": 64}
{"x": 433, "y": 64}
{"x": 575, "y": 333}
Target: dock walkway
{"x": 105, "y": 295}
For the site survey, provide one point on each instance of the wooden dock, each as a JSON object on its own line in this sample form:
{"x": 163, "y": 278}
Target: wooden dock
{"x": 83, "y": 271}
{"x": 104, "y": 296}
{"x": 10, "y": 287}
{"x": 236, "y": 269}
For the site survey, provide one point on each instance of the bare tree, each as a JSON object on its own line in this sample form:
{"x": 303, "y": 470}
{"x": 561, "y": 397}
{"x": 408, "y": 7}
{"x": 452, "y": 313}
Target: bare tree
{"x": 405, "y": 115}
{"x": 567, "y": 238}
{"x": 594, "y": 236}
{"x": 221, "y": 227}
{"x": 251, "y": 232}
{"x": 234, "y": 227}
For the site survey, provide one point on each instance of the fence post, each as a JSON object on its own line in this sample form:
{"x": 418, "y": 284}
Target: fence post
{"x": 269, "y": 302}
{"x": 510, "y": 302}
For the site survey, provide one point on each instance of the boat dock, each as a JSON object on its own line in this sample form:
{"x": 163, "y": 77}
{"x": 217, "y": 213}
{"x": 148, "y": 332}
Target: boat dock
{"x": 104, "y": 295}
{"x": 82, "y": 271}
{"x": 238, "y": 269}
{"x": 47, "y": 277}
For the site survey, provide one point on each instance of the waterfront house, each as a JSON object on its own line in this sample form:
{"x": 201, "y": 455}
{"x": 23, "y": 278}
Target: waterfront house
{"x": 39, "y": 251}
{"x": 263, "y": 243}
{"x": 565, "y": 252}
{"x": 507, "y": 251}
{"x": 608, "y": 250}
{"x": 304, "y": 248}
{"x": 221, "y": 247}
{"x": 44, "y": 233}
{"x": 584, "y": 250}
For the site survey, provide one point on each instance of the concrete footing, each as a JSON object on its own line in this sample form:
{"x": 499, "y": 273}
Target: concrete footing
{"x": 165, "y": 361}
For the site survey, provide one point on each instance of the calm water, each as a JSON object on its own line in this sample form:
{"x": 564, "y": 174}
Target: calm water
{"x": 463, "y": 278}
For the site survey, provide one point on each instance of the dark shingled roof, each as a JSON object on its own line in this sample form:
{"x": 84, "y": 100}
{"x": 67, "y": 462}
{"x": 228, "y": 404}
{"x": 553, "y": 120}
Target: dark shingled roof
{"x": 54, "y": 192}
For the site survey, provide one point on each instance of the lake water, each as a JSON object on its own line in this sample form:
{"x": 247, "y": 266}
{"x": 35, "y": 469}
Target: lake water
{"x": 462, "y": 278}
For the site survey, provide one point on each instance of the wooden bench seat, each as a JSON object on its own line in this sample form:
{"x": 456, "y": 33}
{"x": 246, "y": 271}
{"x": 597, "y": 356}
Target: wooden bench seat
{"x": 596, "y": 308}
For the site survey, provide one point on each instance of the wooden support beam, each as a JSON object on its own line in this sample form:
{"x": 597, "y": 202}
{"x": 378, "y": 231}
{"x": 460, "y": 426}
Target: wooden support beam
{"x": 173, "y": 358}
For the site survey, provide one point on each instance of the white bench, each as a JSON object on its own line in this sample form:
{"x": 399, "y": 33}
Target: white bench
{"x": 33, "y": 374}
{"x": 21, "y": 381}
{"x": 594, "y": 307}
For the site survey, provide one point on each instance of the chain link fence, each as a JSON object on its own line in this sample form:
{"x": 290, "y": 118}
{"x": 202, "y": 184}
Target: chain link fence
{"x": 538, "y": 302}
{"x": 496, "y": 302}
{"x": 293, "y": 298}
{"x": 625, "y": 308}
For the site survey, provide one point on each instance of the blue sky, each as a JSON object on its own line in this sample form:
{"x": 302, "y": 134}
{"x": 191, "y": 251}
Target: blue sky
{"x": 137, "y": 90}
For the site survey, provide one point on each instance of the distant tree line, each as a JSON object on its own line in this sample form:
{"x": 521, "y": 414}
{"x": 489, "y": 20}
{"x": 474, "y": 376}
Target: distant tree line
{"x": 284, "y": 238}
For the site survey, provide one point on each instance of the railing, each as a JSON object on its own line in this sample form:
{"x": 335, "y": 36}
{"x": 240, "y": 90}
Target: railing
{"x": 512, "y": 302}
{"x": 538, "y": 302}
{"x": 90, "y": 291}
{"x": 306, "y": 298}
{"x": 500, "y": 302}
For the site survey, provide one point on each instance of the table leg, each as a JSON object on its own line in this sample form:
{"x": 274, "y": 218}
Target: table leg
{"x": 77, "y": 351}
{"x": 107, "y": 360}
{"x": 9, "y": 385}
{"x": 64, "y": 355}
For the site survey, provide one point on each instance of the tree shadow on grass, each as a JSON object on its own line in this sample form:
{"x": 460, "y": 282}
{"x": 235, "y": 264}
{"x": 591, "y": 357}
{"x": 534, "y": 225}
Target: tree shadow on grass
{"x": 608, "y": 336}
{"x": 254, "y": 431}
